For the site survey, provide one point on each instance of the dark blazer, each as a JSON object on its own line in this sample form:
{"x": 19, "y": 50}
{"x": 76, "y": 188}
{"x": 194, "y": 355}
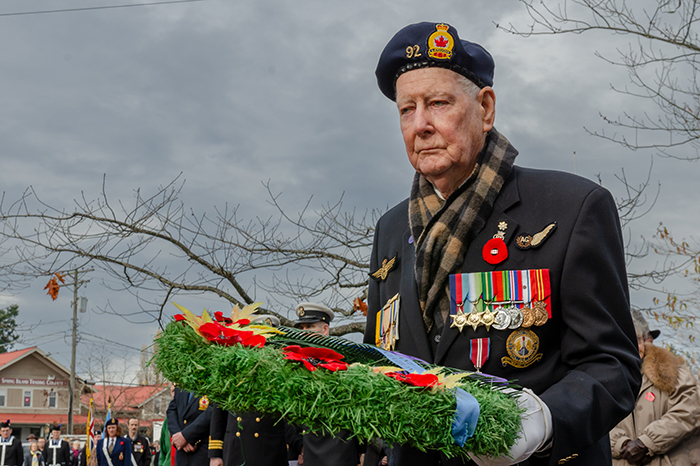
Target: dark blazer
{"x": 248, "y": 438}
{"x": 57, "y": 454}
{"x": 191, "y": 417}
{"x": 121, "y": 453}
{"x": 141, "y": 450}
{"x": 14, "y": 454}
{"x": 588, "y": 374}
{"x": 326, "y": 450}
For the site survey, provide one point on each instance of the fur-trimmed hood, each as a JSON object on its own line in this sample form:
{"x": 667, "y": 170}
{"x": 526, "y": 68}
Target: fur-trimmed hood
{"x": 661, "y": 367}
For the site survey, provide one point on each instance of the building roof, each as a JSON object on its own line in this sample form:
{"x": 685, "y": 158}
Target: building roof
{"x": 13, "y": 357}
{"x": 123, "y": 398}
{"x": 7, "y": 359}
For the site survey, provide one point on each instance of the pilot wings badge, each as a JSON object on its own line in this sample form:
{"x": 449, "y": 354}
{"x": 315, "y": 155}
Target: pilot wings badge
{"x": 387, "y": 266}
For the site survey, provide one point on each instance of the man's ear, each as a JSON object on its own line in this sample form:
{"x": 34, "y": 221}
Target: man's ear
{"x": 487, "y": 101}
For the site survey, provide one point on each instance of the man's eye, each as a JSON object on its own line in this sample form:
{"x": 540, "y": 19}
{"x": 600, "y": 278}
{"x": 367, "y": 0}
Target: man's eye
{"x": 405, "y": 110}
{"x": 438, "y": 103}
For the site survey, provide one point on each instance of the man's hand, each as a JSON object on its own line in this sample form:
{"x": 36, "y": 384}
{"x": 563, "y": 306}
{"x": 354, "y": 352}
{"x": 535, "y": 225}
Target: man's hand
{"x": 179, "y": 440}
{"x": 216, "y": 462}
{"x": 189, "y": 448}
{"x": 635, "y": 452}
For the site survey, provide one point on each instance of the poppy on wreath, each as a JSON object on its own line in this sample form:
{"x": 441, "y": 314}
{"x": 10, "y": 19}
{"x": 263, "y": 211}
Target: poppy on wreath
{"x": 417, "y": 380}
{"x": 315, "y": 357}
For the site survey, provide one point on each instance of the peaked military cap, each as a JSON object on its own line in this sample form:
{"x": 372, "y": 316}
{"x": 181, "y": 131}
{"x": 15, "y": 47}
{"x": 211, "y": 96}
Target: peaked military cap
{"x": 309, "y": 313}
{"x": 423, "y": 45}
{"x": 267, "y": 319}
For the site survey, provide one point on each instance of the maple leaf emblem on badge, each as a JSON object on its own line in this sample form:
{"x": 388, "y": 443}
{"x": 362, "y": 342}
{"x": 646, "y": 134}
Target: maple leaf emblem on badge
{"x": 441, "y": 41}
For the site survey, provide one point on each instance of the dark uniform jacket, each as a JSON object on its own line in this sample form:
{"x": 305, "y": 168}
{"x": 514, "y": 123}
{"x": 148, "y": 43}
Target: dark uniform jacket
{"x": 587, "y": 370}
{"x": 11, "y": 452}
{"x": 57, "y": 453}
{"x": 326, "y": 450}
{"x": 190, "y": 416}
{"x": 141, "y": 450}
{"x": 121, "y": 452}
{"x": 247, "y": 438}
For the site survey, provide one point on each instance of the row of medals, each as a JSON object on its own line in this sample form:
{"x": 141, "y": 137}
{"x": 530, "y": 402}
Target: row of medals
{"x": 502, "y": 318}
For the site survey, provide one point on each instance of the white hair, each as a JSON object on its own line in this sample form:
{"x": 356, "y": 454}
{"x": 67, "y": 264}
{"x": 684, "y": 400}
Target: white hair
{"x": 468, "y": 86}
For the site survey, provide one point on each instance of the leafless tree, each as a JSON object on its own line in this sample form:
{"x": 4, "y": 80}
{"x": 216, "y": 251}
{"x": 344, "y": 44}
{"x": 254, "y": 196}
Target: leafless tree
{"x": 156, "y": 249}
{"x": 661, "y": 60}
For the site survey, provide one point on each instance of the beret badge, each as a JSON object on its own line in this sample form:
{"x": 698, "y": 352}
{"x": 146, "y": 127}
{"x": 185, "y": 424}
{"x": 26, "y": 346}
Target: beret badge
{"x": 440, "y": 43}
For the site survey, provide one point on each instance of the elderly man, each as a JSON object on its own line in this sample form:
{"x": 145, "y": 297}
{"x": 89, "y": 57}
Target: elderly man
{"x": 491, "y": 267}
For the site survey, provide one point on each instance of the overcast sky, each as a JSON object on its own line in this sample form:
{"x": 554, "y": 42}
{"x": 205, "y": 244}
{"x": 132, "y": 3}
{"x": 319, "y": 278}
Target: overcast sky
{"x": 233, "y": 94}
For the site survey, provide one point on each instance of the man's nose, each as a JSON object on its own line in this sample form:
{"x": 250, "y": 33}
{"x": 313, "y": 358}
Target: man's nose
{"x": 422, "y": 121}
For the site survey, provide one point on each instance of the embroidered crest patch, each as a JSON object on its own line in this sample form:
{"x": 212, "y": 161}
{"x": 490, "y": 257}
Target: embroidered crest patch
{"x": 440, "y": 43}
{"x": 522, "y": 346}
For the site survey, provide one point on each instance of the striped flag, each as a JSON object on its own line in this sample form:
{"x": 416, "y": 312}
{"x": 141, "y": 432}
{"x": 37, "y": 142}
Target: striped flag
{"x": 90, "y": 446}
{"x": 107, "y": 418}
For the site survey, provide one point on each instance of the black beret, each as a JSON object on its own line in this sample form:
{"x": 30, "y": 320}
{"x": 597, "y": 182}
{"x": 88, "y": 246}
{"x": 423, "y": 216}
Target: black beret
{"x": 56, "y": 427}
{"x": 112, "y": 422}
{"x": 423, "y": 45}
{"x": 5, "y": 424}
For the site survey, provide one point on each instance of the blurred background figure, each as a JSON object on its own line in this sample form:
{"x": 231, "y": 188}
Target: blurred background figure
{"x": 666, "y": 413}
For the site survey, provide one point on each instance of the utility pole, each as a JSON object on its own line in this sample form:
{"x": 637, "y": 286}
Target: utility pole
{"x": 71, "y": 385}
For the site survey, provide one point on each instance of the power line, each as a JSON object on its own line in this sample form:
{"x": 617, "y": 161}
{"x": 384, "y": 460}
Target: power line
{"x": 106, "y": 7}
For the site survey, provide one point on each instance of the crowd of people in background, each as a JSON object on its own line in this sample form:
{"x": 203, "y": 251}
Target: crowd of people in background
{"x": 116, "y": 449}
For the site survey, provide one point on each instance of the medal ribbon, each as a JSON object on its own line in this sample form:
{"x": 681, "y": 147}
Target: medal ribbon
{"x": 479, "y": 350}
{"x": 542, "y": 291}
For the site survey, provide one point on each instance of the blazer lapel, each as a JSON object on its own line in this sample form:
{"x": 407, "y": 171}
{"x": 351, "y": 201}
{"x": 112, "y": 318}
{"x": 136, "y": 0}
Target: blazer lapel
{"x": 474, "y": 261}
{"x": 410, "y": 315}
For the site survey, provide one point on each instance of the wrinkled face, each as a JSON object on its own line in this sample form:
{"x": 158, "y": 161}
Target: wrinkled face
{"x": 112, "y": 430}
{"x": 443, "y": 127}
{"x": 5, "y": 432}
{"x": 55, "y": 434}
{"x": 315, "y": 327}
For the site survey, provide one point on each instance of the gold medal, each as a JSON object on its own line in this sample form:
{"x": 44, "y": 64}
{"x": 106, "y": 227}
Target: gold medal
{"x": 528, "y": 317}
{"x": 488, "y": 318}
{"x": 474, "y": 319}
{"x": 541, "y": 317}
{"x": 459, "y": 320}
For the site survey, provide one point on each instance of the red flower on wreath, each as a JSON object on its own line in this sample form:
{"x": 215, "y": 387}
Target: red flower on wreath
{"x": 418, "y": 380}
{"x": 315, "y": 357}
{"x": 223, "y": 335}
{"x": 179, "y": 318}
{"x": 219, "y": 317}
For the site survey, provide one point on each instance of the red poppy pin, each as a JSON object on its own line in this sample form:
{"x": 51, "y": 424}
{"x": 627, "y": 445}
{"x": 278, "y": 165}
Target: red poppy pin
{"x": 495, "y": 250}
{"x": 650, "y": 396}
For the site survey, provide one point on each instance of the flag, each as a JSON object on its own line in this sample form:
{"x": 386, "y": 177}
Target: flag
{"x": 90, "y": 445}
{"x": 107, "y": 418}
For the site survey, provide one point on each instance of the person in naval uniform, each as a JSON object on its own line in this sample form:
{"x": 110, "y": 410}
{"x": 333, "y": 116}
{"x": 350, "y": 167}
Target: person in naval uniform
{"x": 56, "y": 450}
{"x": 113, "y": 450}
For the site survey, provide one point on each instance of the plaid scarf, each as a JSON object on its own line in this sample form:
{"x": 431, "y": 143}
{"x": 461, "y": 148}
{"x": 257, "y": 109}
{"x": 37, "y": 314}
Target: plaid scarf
{"x": 444, "y": 229}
